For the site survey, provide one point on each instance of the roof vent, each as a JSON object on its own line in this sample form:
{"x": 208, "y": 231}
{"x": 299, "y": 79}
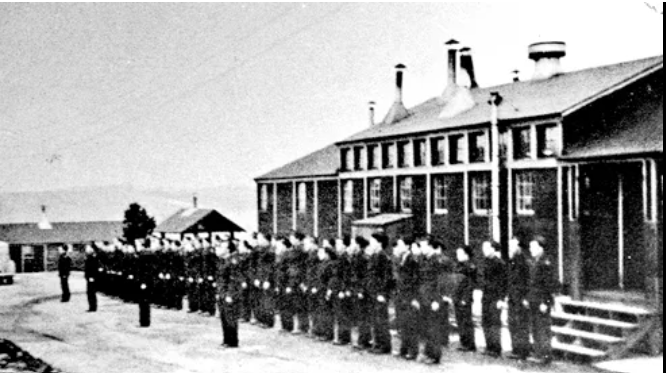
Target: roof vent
{"x": 44, "y": 223}
{"x": 398, "y": 111}
{"x": 547, "y": 57}
{"x": 457, "y": 99}
{"x": 371, "y": 109}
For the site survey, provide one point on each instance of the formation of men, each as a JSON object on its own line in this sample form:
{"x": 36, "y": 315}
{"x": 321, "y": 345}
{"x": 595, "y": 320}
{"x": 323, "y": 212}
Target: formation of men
{"x": 325, "y": 290}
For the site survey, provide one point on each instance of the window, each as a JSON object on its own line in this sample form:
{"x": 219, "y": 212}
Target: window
{"x": 348, "y": 197}
{"x": 374, "y": 156}
{"x": 302, "y": 198}
{"x": 359, "y": 158}
{"x": 405, "y": 154}
{"x": 28, "y": 252}
{"x": 406, "y": 194}
{"x": 547, "y": 141}
{"x": 457, "y": 149}
{"x": 525, "y": 189}
{"x": 522, "y": 143}
{"x": 375, "y": 195}
{"x": 481, "y": 199}
{"x": 389, "y": 155}
{"x": 419, "y": 153}
{"x": 478, "y": 147}
{"x": 438, "y": 151}
{"x": 441, "y": 197}
{"x": 347, "y": 159}
{"x": 264, "y": 198}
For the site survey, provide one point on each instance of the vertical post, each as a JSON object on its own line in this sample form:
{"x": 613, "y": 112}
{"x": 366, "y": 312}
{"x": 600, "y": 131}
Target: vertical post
{"x": 466, "y": 205}
{"x": 395, "y": 193}
{"x": 510, "y": 202}
{"x": 315, "y": 214}
{"x": 46, "y": 252}
{"x": 366, "y": 197}
{"x": 495, "y": 101}
{"x": 340, "y": 202}
{"x": 294, "y": 208}
{"x": 560, "y": 221}
{"x": 620, "y": 213}
{"x": 429, "y": 203}
{"x": 275, "y": 209}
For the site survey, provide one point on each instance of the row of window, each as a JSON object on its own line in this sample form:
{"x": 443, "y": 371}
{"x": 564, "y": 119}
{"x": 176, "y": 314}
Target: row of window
{"x": 481, "y": 201}
{"x": 531, "y": 142}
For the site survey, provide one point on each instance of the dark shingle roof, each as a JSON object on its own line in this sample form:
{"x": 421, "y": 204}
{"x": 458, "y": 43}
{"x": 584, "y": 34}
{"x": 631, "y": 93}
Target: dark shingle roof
{"x": 204, "y": 220}
{"x": 61, "y": 233}
{"x": 522, "y": 100}
{"x": 324, "y": 162}
{"x": 642, "y": 133}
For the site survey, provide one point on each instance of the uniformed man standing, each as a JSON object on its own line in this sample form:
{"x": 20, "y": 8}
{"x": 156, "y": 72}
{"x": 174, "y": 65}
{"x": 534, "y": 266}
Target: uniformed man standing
{"x": 193, "y": 266}
{"x": 463, "y": 298}
{"x": 284, "y": 290}
{"x": 265, "y": 273}
{"x": 146, "y": 280}
{"x": 298, "y": 260}
{"x": 209, "y": 285}
{"x": 543, "y": 287}
{"x": 408, "y": 305}
{"x": 91, "y": 274}
{"x": 340, "y": 287}
{"x": 229, "y": 280}
{"x": 519, "y": 312}
{"x": 363, "y": 303}
{"x": 433, "y": 309}
{"x": 494, "y": 294}
{"x": 64, "y": 270}
{"x": 380, "y": 286}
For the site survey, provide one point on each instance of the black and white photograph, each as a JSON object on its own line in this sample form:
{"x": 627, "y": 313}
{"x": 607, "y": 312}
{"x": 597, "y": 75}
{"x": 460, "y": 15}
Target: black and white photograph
{"x": 310, "y": 187}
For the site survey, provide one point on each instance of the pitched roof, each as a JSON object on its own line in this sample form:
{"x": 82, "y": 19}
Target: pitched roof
{"x": 643, "y": 134}
{"x": 522, "y": 100}
{"x": 61, "y": 233}
{"x": 323, "y": 162}
{"x": 193, "y": 219}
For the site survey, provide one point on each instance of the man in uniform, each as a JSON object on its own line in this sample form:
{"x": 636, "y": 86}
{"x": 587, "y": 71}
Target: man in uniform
{"x": 298, "y": 261}
{"x": 193, "y": 266}
{"x": 363, "y": 303}
{"x": 380, "y": 286}
{"x": 543, "y": 287}
{"x": 435, "y": 309}
{"x": 342, "y": 296}
{"x": 463, "y": 298}
{"x": 265, "y": 273}
{"x": 229, "y": 280}
{"x": 519, "y": 312}
{"x": 146, "y": 279}
{"x": 64, "y": 270}
{"x": 408, "y": 278}
{"x": 494, "y": 293}
{"x": 91, "y": 274}
{"x": 178, "y": 273}
{"x": 210, "y": 273}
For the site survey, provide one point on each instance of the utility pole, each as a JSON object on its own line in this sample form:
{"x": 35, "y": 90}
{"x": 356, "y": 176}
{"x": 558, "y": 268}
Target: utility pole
{"x": 496, "y": 227}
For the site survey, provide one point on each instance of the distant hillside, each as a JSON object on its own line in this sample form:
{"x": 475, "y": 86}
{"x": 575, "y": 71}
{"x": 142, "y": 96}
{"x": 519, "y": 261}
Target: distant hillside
{"x": 237, "y": 202}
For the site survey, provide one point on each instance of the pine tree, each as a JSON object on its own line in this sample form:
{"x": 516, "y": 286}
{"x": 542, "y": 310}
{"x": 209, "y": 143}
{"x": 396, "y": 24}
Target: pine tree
{"x": 137, "y": 224}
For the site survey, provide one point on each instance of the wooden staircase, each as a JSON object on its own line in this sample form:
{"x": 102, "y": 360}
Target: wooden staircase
{"x": 588, "y": 331}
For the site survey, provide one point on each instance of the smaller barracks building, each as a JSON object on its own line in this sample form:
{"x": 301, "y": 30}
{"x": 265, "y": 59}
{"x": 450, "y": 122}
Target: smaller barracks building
{"x": 575, "y": 157}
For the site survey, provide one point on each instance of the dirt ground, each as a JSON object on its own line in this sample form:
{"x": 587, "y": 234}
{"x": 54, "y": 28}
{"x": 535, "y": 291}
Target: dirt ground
{"x": 110, "y": 341}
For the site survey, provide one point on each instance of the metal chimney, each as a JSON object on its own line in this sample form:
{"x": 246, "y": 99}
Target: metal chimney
{"x": 547, "y": 57}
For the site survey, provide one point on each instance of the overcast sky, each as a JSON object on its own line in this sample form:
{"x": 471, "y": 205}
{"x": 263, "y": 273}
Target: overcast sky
{"x": 197, "y": 95}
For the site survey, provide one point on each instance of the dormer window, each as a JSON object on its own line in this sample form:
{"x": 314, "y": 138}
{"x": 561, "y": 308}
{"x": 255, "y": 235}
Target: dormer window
{"x": 547, "y": 141}
{"x": 405, "y": 154}
{"x": 419, "y": 153}
{"x": 478, "y": 147}
{"x": 522, "y": 143}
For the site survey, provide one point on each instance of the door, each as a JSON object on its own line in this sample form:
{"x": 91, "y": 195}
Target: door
{"x": 633, "y": 224}
{"x": 599, "y": 196}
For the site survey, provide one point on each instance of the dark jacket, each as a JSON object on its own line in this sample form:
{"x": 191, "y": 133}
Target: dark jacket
{"x": 380, "y": 275}
{"x": 408, "y": 281}
{"x": 341, "y": 280}
{"x": 495, "y": 287}
{"x": 467, "y": 283}
{"x": 543, "y": 284}
{"x": 64, "y": 265}
{"x": 91, "y": 267}
{"x": 519, "y": 279}
{"x": 359, "y": 272}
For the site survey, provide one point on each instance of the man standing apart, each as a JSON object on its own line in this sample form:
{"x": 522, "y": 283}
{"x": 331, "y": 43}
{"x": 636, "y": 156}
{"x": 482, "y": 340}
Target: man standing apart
{"x": 91, "y": 272}
{"x": 543, "y": 286}
{"x": 64, "y": 270}
{"x": 494, "y": 293}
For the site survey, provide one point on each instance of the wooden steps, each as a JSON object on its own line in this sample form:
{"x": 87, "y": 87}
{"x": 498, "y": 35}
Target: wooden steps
{"x": 592, "y": 331}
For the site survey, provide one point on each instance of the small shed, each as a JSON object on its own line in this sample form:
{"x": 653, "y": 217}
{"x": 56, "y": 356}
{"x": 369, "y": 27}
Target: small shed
{"x": 197, "y": 221}
{"x": 393, "y": 225}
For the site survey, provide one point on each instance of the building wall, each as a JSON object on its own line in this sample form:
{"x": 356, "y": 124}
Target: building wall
{"x": 285, "y": 208}
{"x": 450, "y": 227}
{"x": 328, "y": 209}
{"x": 358, "y": 214}
{"x": 479, "y": 225}
{"x": 266, "y": 218}
{"x": 305, "y": 220}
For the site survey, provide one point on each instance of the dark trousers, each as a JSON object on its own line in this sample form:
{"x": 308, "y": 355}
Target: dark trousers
{"x": 247, "y": 303}
{"x": 408, "y": 328}
{"x": 492, "y": 326}
{"x": 325, "y": 320}
{"x": 343, "y": 315}
{"x": 363, "y": 311}
{"x": 303, "y": 313}
{"x": 519, "y": 326}
{"x": 541, "y": 333}
{"x": 437, "y": 331}
{"x": 229, "y": 319}
{"x": 380, "y": 327}
{"x": 287, "y": 312}
{"x": 266, "y": 311}
{"x": 465, "y": 322}
{"x": 193, "y": 297}
{"x": 144, "y": 312}
{"x": 64, "y": 285}
{"x": 92, "y": 296}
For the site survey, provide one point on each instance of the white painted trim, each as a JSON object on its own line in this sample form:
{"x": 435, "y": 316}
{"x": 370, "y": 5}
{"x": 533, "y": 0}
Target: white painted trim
{"x": 395, "y": 193}
{"x": 571, "y": 172}
{"x": 560, "y": 222}
{"x": 645, "y": 188}
{"x": 620, "y": 213}
{"x": 46, "y": 253}
{"x": 534, "y": 164}
{"x": 288, "y": 180}
{"x": 294, "y": 208}
{"x": 315, "y": 213}
{"x": 275, "y": 208}
{"x": 460, "y": 168}
{"x": 429, "y": 207}
{"x": 340, "y": 202}
{"x": 510, "y": 201}
{"x": 366, "y": 197}
{"x": 466, "y": 196}
{"x": 654, "y": 190}
{"x": 534, "y": 143}
{"x": 576, "y": 196}
{"x": 612, "y": 90}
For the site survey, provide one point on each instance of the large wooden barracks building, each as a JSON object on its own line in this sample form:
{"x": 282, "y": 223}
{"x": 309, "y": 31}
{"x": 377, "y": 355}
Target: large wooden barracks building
{"x": 575, "y": 157}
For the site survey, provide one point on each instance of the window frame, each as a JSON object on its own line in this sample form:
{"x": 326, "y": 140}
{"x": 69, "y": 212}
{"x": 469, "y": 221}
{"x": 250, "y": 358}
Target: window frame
{"x": 407, "y": 194}
{"x": 420, "y": 152}
{"x": 360, "y": 160}
{"x": 345, "y": 159}
{"x": 348, "y": 197}
{"x": 471, "y": 148}
{"x": 438, "y": 156}
{"x": 486, "y": 198}
{"x": 263, "y": 198}
{"x": 542, "y": 132}
{"x": 374, "y": 159}
{"x": 525, "y": 191}
{"x": 460, "y": 150}
{"x": 389, "y": 155}
{"x": 375, "y": 198}
{"x": 302, "y": 198}
{"x": 440, "y": 183}
{"x": 405, "y": 154}
{"x": 517, "y": 142}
